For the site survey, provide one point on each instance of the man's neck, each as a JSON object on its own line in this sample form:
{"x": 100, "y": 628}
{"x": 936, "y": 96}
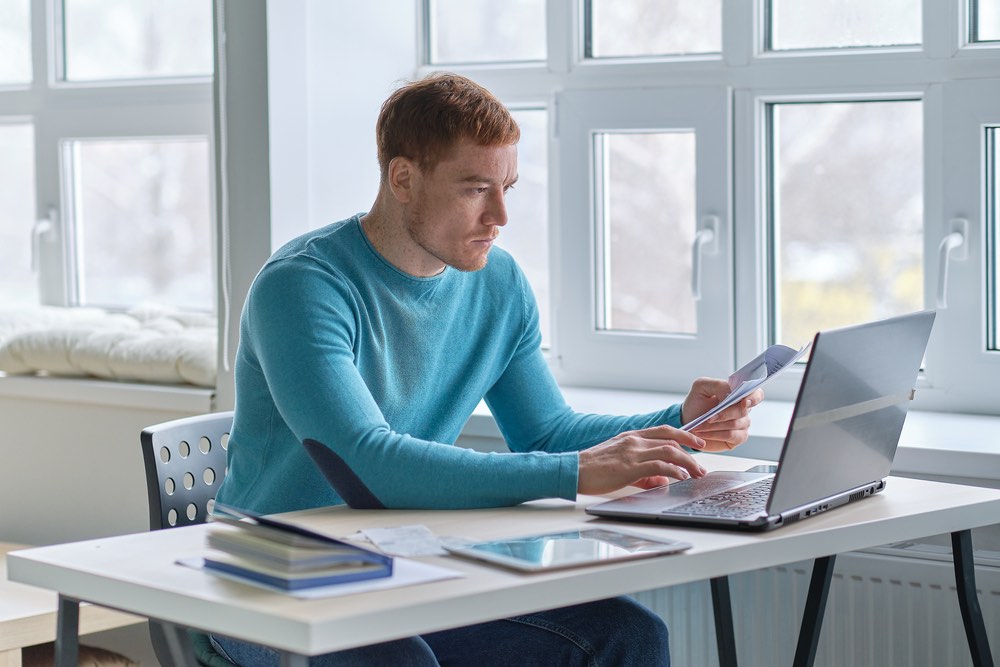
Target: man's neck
{"x": 384, "y": 228}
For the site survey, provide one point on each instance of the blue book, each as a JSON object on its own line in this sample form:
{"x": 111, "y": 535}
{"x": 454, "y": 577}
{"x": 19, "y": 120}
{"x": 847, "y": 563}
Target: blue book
{"x": 286, "y": 556}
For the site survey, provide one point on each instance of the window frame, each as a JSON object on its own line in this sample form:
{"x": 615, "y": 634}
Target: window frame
{"x": 62, "y": 111}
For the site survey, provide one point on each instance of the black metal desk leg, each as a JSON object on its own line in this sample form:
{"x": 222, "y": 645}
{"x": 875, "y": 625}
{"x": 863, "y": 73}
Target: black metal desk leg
{"x": 725, "y": 635}
{"x": 965, "y": 583}
{"x": 812, "y": 617}
{"x": 67, "y": 632}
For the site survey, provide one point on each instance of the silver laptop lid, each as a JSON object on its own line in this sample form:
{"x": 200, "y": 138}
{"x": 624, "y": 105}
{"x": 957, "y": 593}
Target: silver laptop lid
{"x": 850, "y": 409}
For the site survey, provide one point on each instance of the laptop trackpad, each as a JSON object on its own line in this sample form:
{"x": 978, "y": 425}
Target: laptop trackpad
{"x": 678, "y": 493}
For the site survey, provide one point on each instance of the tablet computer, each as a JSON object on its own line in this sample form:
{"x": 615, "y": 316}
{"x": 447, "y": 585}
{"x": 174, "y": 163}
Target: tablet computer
{"x": 571, "y": 548}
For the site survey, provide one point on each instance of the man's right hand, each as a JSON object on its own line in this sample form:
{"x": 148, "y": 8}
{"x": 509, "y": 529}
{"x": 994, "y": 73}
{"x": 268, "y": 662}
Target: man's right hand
{"x": 643, "y": 458}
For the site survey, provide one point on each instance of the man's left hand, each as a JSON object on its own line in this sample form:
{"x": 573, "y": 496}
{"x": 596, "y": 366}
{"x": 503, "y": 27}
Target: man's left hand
{"x": 728, "y": 429}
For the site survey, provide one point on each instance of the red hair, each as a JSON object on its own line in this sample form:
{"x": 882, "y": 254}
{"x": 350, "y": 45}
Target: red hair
{"x": 423, "y": 119}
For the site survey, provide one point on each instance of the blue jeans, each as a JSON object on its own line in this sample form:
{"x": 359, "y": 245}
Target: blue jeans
{"x": 617, "y": 632}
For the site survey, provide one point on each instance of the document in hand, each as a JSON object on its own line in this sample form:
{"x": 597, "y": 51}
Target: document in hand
{"x": 759, "y": 370}
{"x": 289, "y": 557}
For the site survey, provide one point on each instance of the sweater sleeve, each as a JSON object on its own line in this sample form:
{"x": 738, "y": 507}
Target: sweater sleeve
{"x": 311, "y": 373}
{"x": 530, "y": 409}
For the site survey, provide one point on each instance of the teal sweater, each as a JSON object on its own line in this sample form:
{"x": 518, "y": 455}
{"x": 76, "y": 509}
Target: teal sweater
{"x": 383, "y": 368}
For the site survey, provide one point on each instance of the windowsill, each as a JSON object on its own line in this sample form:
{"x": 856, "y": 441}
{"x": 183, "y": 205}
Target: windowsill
{"x": 109, "y": 393}
{"x": 937, "y": 444}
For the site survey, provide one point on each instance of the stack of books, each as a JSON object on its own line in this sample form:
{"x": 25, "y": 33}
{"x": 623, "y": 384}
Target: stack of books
{"x": 268, "y": 551}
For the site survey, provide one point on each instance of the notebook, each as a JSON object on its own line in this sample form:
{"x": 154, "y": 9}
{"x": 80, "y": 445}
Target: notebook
{"x": 850, "y": 409}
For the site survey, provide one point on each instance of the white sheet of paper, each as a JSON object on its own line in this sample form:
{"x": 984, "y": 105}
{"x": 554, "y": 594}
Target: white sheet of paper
{"x": 412, "y": 540}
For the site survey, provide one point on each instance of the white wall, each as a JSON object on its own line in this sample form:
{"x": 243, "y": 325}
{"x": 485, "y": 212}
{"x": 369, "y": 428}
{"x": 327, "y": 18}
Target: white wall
{"x": 71, "y": 464}
{"x": 329, "y": 72}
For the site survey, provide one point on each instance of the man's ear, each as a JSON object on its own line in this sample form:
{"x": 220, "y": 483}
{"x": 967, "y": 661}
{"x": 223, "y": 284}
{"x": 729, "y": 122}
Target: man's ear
{"x": 402, "y": 177}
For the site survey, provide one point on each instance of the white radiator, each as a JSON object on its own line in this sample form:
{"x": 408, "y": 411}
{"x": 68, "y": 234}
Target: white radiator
{"x": 894, "y": 608}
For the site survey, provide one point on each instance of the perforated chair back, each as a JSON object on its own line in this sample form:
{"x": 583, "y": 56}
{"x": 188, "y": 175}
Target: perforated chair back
{"x": 185, "y": 463}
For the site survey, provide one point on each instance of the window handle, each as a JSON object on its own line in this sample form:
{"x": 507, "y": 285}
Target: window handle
{"x": 704, "y": 244}
{"x": 44, "y": 228}
{"x": 952, "y": 247}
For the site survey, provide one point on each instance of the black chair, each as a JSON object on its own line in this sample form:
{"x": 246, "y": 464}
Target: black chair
{"x": 185, "y": 462}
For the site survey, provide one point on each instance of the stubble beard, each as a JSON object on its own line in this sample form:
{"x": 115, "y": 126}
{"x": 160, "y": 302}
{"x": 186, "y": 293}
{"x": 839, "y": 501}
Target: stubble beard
{"x": 415, "y": 226}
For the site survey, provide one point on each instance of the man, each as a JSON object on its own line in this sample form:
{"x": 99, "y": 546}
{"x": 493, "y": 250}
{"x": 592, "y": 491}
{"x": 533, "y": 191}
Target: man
{"x": 377, "y": 336}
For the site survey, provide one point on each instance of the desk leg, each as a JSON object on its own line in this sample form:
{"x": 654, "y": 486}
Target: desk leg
{"x": 725, "y": 635}
{"x": 181, "y": 650}
{"x": 812, "y": 617}
{"x": 67, "y": 632}
{"x": 293, "y": 660}
{"x": 972, "y": 613}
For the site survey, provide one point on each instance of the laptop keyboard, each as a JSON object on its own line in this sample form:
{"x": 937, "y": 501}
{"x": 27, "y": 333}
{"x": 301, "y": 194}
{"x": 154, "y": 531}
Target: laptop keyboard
{"x": 739, "y": 502}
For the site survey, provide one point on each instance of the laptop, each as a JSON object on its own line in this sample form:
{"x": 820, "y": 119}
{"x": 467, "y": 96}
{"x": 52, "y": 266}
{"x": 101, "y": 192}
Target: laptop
{"x": 850, "y": 409}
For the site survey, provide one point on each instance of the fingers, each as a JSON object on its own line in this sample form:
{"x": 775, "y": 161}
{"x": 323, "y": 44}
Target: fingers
{"x": 683, "y": 438}
{"x": 665, "y": 458}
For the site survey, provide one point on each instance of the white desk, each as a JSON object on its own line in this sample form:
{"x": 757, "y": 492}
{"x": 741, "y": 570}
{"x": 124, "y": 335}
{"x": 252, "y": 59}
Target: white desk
{"x": 136, "y": 573}
{"x": 28, "y": 615}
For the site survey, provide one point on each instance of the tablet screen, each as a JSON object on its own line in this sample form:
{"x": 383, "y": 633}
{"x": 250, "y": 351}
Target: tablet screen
{"x": 567, "y": 549}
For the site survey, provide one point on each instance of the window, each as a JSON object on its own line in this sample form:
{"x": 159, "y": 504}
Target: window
{"x": 17, "y": 187}
{"x": 142, "y": 219}
{"x": 528, "y": 209}
{"x": 15, "y": 43}
{"x": 724, "y": 176}
{"x": 985, "y": 24}
{"x": 622, "y": 28}
{"x": 129, "y": 39}
{"x": 481, "y": 31}
{"x": 108, "y": 201}
{"x": 992, "y": 229}
{"x": 843, "y": 23}
{"x": 838, "y": 257}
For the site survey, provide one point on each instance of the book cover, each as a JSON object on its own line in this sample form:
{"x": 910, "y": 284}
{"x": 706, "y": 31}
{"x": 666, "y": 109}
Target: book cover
{"x": 284, "y": 555}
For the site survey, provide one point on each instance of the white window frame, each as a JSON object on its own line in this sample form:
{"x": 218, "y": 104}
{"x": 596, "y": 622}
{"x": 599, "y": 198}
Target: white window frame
{"x": 952, "y": 78}
{"x": 63, "y": 111}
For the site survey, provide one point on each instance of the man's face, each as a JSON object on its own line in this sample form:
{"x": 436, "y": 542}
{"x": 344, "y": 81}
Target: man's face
{"x": 457, "y": 209}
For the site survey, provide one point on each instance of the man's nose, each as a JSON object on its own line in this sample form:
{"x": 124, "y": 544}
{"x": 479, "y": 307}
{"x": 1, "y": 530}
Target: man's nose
{"x": 496, "y": 213}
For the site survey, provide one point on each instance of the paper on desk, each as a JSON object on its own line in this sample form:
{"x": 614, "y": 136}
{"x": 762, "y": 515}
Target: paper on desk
{"x": 412, "y": 540}
{"x": 752, "y": 375}
{"x": 405, "y": 572}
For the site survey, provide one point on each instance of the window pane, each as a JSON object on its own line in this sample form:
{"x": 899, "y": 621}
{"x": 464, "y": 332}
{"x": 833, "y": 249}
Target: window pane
{"x": 648, "y": 229}
{"x": 143, "y": 222}
{"x": 132, "y": 39}
{"x": 993, "y": 227}
{"x": 18, "y": 286}
{"x": 526, "y": 235}
{"x": 479, "y": 31}
{"x": 15, "y": 42}
{"x": 820, "y": 24}
{"x": 618, "y": 28}
{"x": 848, "y": 214}
{"x": 987, "y": 20}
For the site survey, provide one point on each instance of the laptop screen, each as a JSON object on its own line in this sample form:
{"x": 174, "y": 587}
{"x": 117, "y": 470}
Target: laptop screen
{"x": 850, "y": 409}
